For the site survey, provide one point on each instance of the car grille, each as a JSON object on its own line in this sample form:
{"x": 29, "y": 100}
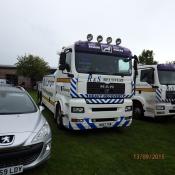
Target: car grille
{"x": 171, "y": 111}
{"x": 103, "y": 88}
{"x": 20, "y": 156}
{"x": 170, "y": 95}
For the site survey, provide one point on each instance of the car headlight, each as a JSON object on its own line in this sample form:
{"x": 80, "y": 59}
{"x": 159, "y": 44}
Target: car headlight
{"x": 42, "y": 134}
{"x": 77, "y": 110}
{"x": 160, "y": 107}
{"x": 128, "y": 108}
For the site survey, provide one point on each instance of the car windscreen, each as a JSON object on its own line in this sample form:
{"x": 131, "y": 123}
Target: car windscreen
{"x": 102, "y": 64}
{"x": 15, "y": 103}
{"x": 166, "y": 77}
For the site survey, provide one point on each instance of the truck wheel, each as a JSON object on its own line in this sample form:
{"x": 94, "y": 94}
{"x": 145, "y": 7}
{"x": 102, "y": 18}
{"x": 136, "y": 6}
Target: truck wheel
{"x": 59, "y": 118}
{"x": 138, "y": 111}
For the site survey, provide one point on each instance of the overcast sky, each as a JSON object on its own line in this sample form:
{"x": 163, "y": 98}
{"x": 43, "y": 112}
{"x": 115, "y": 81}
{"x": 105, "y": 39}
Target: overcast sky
{"x": 42, "y": 27}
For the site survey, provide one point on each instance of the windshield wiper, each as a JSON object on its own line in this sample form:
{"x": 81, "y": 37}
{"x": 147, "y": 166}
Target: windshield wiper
{"x": 120, "y": 74}
{"x": 95, "y": 72}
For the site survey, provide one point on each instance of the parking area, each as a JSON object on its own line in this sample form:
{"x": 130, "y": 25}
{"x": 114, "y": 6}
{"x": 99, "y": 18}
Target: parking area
{"x": 111, "y": 151}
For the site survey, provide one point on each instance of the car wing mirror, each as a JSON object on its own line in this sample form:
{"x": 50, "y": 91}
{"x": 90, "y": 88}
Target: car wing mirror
{"x": 41, "y": 108}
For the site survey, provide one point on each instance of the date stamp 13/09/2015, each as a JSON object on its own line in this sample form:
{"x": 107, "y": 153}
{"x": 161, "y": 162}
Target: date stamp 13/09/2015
{"x": 148, "y": 156}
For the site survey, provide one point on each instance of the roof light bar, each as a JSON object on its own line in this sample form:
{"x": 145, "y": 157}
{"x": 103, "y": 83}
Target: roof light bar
{"x": 99, "y": 39}
{"x": 118, "y": 41}
{"x": 89, "y": 37}
{"x": 109, "y": 40}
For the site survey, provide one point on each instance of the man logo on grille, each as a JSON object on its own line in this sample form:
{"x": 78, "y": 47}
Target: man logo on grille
{"x": 6, "y": 140}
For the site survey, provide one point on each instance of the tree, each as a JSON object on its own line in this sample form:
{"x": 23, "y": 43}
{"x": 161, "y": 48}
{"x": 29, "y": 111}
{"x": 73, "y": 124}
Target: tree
{"x": 147, "y": 57}
{"x": 33, "y": 67}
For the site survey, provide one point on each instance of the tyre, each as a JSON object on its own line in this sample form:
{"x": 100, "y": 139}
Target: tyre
{"x": 59, "y": 117}
{"x": 138, "y": 111}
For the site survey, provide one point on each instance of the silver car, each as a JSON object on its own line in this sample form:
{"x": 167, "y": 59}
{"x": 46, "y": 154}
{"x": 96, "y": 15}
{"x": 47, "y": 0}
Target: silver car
{"x": 25, "y": 135}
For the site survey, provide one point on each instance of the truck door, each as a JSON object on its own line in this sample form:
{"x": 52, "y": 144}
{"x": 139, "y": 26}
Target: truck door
{"x": 63, "y": 80}
{"x": 147, "y": 91}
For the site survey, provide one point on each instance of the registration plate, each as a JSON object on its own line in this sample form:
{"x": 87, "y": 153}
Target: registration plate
{"x": 11, "y": 170}
{"x": 105, "y": 124}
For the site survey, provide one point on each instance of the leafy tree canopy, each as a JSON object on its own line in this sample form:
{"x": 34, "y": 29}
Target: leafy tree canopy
{"x": 147, "y": 57}
{"x": 32, "y": 66}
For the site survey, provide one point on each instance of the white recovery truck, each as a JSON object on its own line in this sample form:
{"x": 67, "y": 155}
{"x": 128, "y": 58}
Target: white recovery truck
{"x": 155, "y": 91}
{"x": 93, "y": 86}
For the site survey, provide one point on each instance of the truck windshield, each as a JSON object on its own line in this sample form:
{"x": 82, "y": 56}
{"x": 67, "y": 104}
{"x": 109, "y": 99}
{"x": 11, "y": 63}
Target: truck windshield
{"x": 102, "y": 64}
{"x": 166, "y": 77}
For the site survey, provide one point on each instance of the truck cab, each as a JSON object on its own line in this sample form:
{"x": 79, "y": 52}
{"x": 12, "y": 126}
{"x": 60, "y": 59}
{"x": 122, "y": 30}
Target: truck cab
{"x": 155, "y": 91}
{"x": 92, "y": 87}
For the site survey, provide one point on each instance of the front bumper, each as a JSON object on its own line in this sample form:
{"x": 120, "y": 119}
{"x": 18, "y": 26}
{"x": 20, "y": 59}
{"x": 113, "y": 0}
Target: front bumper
{"x": 44, "y": 156}
{"x": 98, "y": 115}
{"x": 29, "y": 156}
{"x": 169, "y": 109}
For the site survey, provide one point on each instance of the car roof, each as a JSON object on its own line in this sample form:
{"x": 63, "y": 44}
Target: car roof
{"x": 11, "y": 89}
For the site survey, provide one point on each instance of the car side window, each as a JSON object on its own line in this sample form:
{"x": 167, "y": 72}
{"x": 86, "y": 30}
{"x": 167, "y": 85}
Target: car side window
{"x": 68, "y": 60}
{"x": 147, "y": 75}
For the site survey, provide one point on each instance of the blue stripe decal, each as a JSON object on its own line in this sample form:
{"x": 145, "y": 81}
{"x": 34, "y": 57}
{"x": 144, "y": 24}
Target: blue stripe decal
{"x": 80, "y": 126}
{"x": 70, "y": 126}
{"x": 73, "y": 86}
{"x": 126, "y": 122}
{"x": 118, "y": 122}
{"x": 92, "y": 125}
{"x": 104, "y": 101}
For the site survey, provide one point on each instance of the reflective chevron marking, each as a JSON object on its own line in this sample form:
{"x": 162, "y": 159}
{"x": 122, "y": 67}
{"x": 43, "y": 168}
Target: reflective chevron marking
{"x": 88, "y": 124}
{"x": 104, "y": 101}
{"x": 95, "y": 98}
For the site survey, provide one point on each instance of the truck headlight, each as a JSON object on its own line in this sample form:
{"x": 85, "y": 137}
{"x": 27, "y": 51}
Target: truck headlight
{"x": 42, "y": 134}
{"x": 160, "y": 107}
{"x": 77, "y": 109}
{"x": 128, "y": 108}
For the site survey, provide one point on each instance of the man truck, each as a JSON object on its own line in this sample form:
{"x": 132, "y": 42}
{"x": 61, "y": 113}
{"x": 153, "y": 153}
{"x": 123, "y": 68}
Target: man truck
{"x": 155, "y": 91}
{"x": 93, "y": 85}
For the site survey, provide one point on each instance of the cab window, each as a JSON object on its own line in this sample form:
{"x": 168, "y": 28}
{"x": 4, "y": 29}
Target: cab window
{"x": 147, "y": 75}
{"x": 68, "y": 61}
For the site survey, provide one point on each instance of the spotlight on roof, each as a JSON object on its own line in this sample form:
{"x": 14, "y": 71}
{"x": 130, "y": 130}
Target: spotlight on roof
{"x": 99, "y": 39}
{"x": 118, "y": 41}
{"x": 89, "y": 37}
{"x": 109, "y": 40}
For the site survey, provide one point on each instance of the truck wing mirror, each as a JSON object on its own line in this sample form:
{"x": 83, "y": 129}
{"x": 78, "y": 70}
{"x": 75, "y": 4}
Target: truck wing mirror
{"x": 154, "y": 86}
{"x": 62, "y": 67}
{"x": 70, "y": 75}
{"x": 135, "y": 64}
{"x": 62, "y": 61}
{"x": 62, "y": 58}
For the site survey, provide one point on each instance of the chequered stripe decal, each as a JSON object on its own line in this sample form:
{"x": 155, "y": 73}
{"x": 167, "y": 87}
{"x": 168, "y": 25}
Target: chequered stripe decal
{"x": 104, "y": 101}
{"x": 88, "y": 124}
{"x": 159, "y": 97}
{"x": 73, "y": 93}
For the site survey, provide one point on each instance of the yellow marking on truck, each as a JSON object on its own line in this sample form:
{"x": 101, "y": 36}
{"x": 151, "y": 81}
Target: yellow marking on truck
{"x": 63, "y": 80}
{"x": 146, "y": 89}
{"x": 50, "y": 101}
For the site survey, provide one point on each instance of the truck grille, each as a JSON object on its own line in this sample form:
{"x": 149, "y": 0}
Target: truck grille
{"x": 20, "y": 156}
{"x": 170, "y": 95}
{"x": 103, "y": 88}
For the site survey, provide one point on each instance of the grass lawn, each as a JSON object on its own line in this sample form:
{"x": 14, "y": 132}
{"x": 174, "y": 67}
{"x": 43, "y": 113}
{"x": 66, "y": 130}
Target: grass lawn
{"x": 110, "y": 151}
